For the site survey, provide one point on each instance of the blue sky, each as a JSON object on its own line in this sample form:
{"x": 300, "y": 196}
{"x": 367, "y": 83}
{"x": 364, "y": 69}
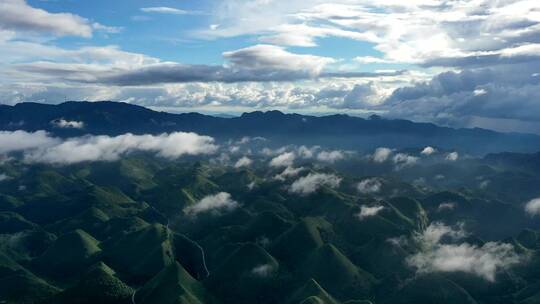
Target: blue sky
{"x": 462, "y": 63}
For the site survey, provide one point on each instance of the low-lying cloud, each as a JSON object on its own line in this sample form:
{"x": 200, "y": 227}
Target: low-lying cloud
{"x": 283, "y": 160}
{"x": 442, "y": 252}
{"x": 369, "y": 211}
{"x": 68, "y": 124}
{"x": 313, "y": 182}
{"x": 41, "y": 147}
{"x": 215, "y": 204}
{"x": 533, "y": 207}
{"x": 243, "y": 162}
{"x": 369, "y": 185}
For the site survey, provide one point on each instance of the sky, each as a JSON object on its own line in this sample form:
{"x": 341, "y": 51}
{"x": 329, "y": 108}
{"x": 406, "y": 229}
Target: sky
{"x": 458, "y": 63}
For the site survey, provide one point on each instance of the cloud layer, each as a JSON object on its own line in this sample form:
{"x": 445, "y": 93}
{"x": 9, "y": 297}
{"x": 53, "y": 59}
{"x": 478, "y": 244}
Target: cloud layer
{"x": 40, "y": 147}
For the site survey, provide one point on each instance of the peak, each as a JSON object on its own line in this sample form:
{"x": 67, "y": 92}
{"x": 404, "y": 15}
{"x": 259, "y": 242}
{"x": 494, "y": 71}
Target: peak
{"x": 273, "y": 113}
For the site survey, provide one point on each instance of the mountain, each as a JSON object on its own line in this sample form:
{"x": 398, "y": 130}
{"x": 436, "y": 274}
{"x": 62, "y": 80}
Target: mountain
{"x": 340, "y": 131}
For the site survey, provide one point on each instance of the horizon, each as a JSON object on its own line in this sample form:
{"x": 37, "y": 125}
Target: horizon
{"x": 226, "y": 115}
{"x": 480, "y": 67}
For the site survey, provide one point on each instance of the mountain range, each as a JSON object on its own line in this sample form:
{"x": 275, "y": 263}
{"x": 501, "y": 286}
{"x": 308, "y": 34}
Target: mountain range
{"x": 340, "y": 131}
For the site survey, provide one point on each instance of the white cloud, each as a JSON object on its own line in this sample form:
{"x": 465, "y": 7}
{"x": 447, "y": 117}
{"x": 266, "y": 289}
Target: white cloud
{"x": 22, "y": 140}
{"x": 370, "y": 185}
{"x": 289, "y": 172}
{"x": 106, "y": 148}
{"x": 62, "y": 123}
{"x": 381, "y": 155}
{"x": 313, "y": 181}
{"x": 479, "y": 92}
{"x": 3, "y": 177}
{"x": 263, "y": 57}
{"x": 404, "y": 160}
{"x": 19, "y": 16}
{"x": 428, "y": 151}
{"x": 243, "y": 162}
{"x": 285, "y": 159}
{"x": 264, "y": 270}
{"x": 453, "y": 156}
{"x": 446, "y": 206}
{"x": 533, "y": 207}
{"x": 305, "y": 152}
{"x": 215, "y": 204}
{"x": 369, "y": 211}
{"x": 436, "y": 255}
{"x": 165, "y": 10}
{"x": 330, "y": 156}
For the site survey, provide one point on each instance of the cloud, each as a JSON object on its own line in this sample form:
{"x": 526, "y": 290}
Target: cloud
{"x": 369, "y": 185}
{"x": 313, "y": 181}
{"x": 288, "y": 172}
{"x": 330, "y": 156}
{"x": 368, "y": 211}
{"x": 264, "y": 270}
{"x": 3, "y": 177}
{"x": 381, "y": 155}
{"x": 285, "y": 159}
{"x": 166, "y": 10}
{"x": 40, "y": 147}
{"x": 437, "y": 255}
{"x": 403, "y": 160}
{"x": 243, "y": 162}
{"x": 22, "y": 140}
{"x": 453, "y": 156}
{"x": 19, "y": 16}
{"x": 428, "y": 151}
{"x": 533, "y": 207}
{"x": 62, "y": 123}
{"x": 215, "y": 204}
{"x": 446, "y": 206}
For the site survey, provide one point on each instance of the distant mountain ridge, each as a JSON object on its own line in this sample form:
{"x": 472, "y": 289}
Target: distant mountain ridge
{"x": 340, "y": 131}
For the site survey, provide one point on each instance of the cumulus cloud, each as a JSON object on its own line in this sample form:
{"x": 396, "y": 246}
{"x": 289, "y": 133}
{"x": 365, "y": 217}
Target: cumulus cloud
{"x": 403, "y": 160}
{"x": 381, "y": 154}
{"x": 453, "y": 156}
{"x": 440, "y": 252}
{"x": 18, "y": 15}
{"x": 285, "y": 159}
{"x": 40, "y": 147}
{"x": 289, "y": 172}
{"x": 215, "y": 204}
{"x": 3, "y": 177}
{"x": 243, "y": 162}
{"x": 428, "y": 151}
{"x": 368, "y": 211}
{"x": 313, "y": 181}
{"x": 533, "y": 207}
{"x": 369, "y": 185}
{"x": 330, "y": 156}
{"x": 62, "y": 123}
